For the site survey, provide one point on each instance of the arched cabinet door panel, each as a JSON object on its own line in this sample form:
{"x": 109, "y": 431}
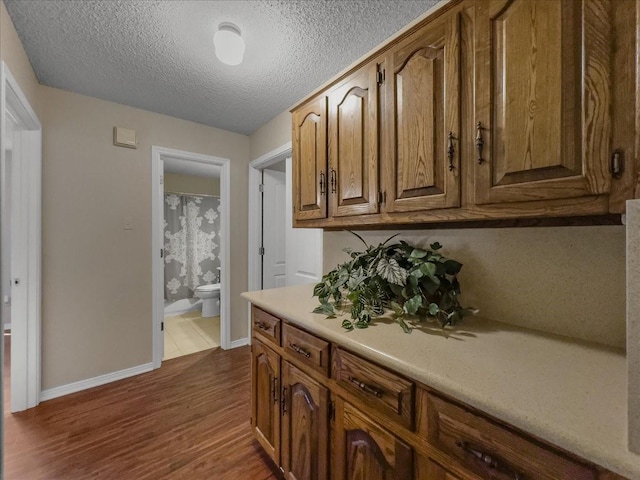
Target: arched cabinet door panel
{"x": 310, "y": 160}
{"x": 265, "y": 398}
{"x": 353, "y": 144}
{"x": 363, "y": 450}
{"x": 422, "y": 119}
{"x": 305, "y": 428}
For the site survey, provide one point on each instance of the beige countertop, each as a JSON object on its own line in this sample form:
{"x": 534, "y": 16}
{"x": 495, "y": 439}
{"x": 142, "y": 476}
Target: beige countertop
{"x": 570, "y": 393}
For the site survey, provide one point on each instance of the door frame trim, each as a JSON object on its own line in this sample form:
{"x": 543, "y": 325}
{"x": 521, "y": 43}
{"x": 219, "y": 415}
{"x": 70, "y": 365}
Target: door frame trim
{"x": 26, "y": 339}
{"x": 157, "y": 235}
{"x": 255, "y": 211}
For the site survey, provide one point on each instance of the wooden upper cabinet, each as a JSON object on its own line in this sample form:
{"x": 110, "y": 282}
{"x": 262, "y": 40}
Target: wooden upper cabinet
{"x": 422, "y": 119}
{"x": 542, "y": 99}
{"x": 310, "y": 160}
{"x": 305, "y": 427}
{"x": 353, "y": 144}
{"x": 265, "y": 397}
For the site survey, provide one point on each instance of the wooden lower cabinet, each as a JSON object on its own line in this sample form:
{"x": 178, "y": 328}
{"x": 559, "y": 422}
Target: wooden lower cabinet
{"x": 428, "y": 469}
{"x": 265, "y": 407}
{"x": 305, "y": 426}
{"x": 364, "y": 450}
{"x": 344, "y": 423}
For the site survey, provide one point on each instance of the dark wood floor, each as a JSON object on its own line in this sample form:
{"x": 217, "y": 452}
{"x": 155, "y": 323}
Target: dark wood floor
{"x": 187, "y": 420}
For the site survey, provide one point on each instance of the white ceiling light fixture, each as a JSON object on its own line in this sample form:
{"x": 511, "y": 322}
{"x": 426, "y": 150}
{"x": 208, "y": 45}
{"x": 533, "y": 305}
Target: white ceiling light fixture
{"x": 229, "y": 44}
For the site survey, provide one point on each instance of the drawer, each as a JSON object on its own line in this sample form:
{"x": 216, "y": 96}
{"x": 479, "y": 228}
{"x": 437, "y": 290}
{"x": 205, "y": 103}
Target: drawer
{"x": 306, "y": 348}
{"x": 493, "y": 451}
{"x": 383, "y": 390}
{"x": 265, "y": 326}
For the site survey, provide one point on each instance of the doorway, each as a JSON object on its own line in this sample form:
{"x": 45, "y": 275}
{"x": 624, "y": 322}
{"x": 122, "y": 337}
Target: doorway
{"x": 20, "y": 204}
{"x": 187, "y": 162}
{"x": 302, "y": 246}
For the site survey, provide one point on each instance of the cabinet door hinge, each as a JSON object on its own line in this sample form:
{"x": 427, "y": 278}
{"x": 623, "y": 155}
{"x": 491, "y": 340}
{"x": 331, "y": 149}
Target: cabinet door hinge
{"x": 261, "y": 187}
{"x": 162, "y": 326}
{"x": 382, "y": 197}
{"x": 162, "y": 253}
{"x": 332, "y": 410}
{"x": 261, "y": 251}
{"x": 380, "y": 75}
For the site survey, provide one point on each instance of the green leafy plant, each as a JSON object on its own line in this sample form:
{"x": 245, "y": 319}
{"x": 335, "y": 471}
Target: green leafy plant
{"x": 410, "y": 282}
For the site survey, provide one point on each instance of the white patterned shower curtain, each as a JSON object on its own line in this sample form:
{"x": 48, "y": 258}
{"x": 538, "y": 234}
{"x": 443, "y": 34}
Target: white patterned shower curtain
{"x": 191, "y": 232}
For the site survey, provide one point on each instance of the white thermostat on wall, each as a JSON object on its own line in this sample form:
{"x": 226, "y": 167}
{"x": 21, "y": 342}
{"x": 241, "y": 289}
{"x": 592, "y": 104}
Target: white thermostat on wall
{"x": 124, "y": 137}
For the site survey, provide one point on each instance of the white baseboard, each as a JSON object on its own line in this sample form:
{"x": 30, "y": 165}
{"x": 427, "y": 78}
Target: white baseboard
{"x": 241, "y": 342}
{"x": 94, "y": 382}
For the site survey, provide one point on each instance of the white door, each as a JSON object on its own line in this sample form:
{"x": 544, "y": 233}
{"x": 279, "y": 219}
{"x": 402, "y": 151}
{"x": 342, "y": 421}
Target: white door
{"x": 304, "y": 245}
{"x": 25, "y": 280}
{"x": 159, "y": 256}
{"x": 274, "y": 273}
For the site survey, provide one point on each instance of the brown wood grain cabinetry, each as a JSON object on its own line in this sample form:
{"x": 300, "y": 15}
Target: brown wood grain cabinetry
{"x": 428, "y": 469}
{"x": 309, "y": 144}
{"x": 487, "y": 110}
{"x": 365, "y": 450}
{"x": 353, "y": 144}
{"x": 305, "y": 426}
{"x": 421, "y": 131}
{"x": 361, "y": 421}
{"x": 265, "y": 398}
{"x": 542, "y": 99}
{"x": 384, "y": 390}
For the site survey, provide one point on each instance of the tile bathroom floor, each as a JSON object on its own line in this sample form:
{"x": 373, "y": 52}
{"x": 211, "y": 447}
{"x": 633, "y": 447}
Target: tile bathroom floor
{"x": 190, "y": 333}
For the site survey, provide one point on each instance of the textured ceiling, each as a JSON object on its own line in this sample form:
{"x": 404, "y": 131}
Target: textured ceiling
{"x": 158, "y": 55}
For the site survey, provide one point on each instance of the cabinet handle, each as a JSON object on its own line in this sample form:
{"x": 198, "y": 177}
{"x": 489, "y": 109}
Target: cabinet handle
{"x": 479, "y": 142}
{"x": 491, "y": 462}
{"x": 617, "y": 164}
{"x": 367, "y": 388}
{"x": 333, "y": 180}
{"x": 283, "y": 401}
{"x": 451, "y": 151}
{"x": 274, "y": 390}
{"x": 299, "y": 350}
{"x": 261, "y": 326}
{"x": 322, "y": 182}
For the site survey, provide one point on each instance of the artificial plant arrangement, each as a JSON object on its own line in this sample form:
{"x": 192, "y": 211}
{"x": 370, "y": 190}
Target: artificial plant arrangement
{"x": 414, "y": 283}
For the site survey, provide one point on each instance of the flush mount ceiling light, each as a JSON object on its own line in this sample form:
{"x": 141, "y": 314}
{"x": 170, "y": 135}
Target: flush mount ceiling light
{"x": 229, "y": 44}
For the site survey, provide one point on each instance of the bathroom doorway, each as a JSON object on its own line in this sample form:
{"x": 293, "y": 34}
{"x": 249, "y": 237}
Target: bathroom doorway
{"x": 190, "y": 224}
{"x": 191, "y": 257}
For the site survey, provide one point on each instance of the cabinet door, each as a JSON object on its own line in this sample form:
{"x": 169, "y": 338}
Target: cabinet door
{"x": 265, "y": 398}
{"x": 304, "y": 426}
{"x": 542, "y": 99}
{"x": 363, "y": 450}
{"x": 422, "y": 119}
{"x": 310, "y": 160}
{"x": 353, "y": 145}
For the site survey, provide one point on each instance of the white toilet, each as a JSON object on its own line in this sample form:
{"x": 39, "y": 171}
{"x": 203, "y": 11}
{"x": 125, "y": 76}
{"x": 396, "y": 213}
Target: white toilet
{"x": 210, "y": 295}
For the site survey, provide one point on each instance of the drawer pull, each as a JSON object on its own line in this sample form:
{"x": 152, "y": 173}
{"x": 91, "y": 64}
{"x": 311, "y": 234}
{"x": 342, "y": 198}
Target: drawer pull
{"x": 299, "y": 350}
{"x": 489, "y": 461}
{"x": 262, "y": 326}
{"x": 283, "y": 401}
{"x": 367, "y": 388}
